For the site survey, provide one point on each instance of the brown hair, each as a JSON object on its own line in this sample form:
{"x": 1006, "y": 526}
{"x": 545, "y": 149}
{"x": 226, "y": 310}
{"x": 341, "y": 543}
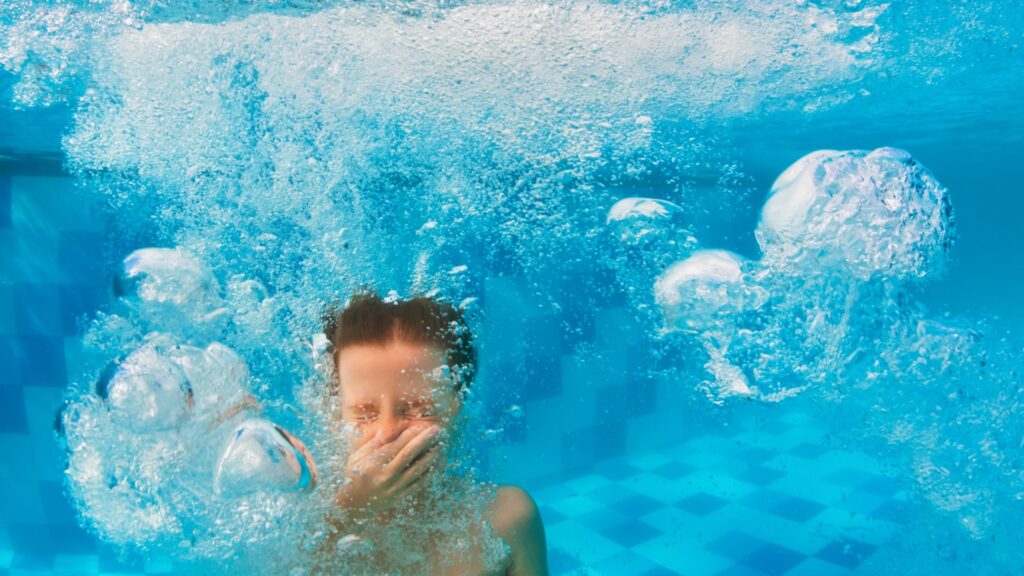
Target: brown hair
{"x": 368, "y": 319}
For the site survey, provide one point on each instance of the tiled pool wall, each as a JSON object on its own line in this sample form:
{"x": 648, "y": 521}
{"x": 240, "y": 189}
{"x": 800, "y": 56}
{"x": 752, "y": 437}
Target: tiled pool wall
{"x": 578, "y": 409}
{"x": 50, "y": 274}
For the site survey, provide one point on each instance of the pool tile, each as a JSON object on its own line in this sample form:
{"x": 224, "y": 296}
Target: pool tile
{"x": 39, "y": 360}
{"x": 5, "y": 201}
{"x": 637, "y": 506}
{"x": 798, "y": 509}
{"x": 701, "y": 504}
{"x": 674, "y": 470}
{"x": 760, "y": 475}
{"x": 677, "y": 555}
{"x": 659, "y": 488}
{"x": 573, "y": 506}
{"x": 735, "y": 545}
{"x": 773, "y": 559}
{"x": 809, "y": 450}
{"x": 846, "y": 552}
{"x": 12, "y": 415}
{"x": 740, "y": 570}
{"x": 627, "y": 563}
{"x": 604, "y": 519}
{"x": 562, "y": 562}
{"x": 582, "y": 542}
{"x": 616, "y": 469}
{"x": 631, "y": 533}
{"x": 587, "y": 483}
{"x": 814, "y": 567}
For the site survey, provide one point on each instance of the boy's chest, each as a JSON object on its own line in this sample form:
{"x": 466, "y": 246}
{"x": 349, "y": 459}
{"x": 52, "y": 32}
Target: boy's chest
{"x": 444, "y": 556}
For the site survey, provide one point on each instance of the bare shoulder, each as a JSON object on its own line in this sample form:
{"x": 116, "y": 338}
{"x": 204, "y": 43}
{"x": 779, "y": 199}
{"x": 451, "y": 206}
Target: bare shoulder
{"x": 513, "y": 510}
{"x": 517, "y": 521}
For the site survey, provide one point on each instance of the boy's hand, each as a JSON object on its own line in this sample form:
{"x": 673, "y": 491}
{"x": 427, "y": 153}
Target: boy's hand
{"x": 380, "y": 474}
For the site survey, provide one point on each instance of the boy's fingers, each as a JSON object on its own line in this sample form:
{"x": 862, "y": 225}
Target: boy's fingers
{"x": 416, "y": 471}
{"x": 412, "y": 449}
{"x": 390, "y": 449}
{"x": 368, "y": 446}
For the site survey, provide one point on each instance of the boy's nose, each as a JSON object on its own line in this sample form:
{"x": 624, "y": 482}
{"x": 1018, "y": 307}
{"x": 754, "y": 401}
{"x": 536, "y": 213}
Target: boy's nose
{"x": 392, "y": 427}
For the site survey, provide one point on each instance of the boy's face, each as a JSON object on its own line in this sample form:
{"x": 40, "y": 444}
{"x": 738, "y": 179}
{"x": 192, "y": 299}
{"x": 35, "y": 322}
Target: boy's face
{"x": 391, "y": 387}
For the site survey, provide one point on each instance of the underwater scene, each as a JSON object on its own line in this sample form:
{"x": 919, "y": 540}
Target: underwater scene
{"x": 699, "y": 287}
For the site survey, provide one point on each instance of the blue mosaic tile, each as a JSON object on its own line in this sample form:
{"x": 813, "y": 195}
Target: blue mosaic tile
{"x": 78, "y": 300}
{"x": 797, "y": 509}
{"x": 581, "y": 448}
{"x": 773, "y": 560}
{"x": 42, "y": 562}
{"x": 637, "y": 506}
{"x": 77, "y": 256}
{"x": 112, "y": 561}
{"x": 735, "y": 545}
{"x": 611, "y": 494}
{"x": 37, "y": 309}
{"x": 755, "y": 455}
{"x": 764, "y": 499}
{"x": 809, "y": 450}
{"x": 882, "y": 485}
{"x": 55, "y": 504}
{"x": 603, "y": 519}
{"x": 631, "y": 533}
{"x": 40, "y": 360}
{"x": 31, "y": 541}
{"x": 72, "y": 540}
{"x": 701, "y": 504}
{"x": 760, "y": 475}
{"x": 660, "y": 571}
{"x": 616, "y": 469}
{"x": 541, "y": 378}
{"x": 5, "y": 201}
{"x": 549, "y": 515}
{"x": 9, "y": 352}
{"x": 846, "y": 552}
{"x": 560, "y": 561}
{"x": 674, "y": 470}
{"x": 627, "y": 563}
{"x": 608, "y": 403}
{"x": 740, "y": 570}
{"x": 12, "y": 410}
{"x": 895, "y": 511}
{"x": 643, "y": 395}
{"x": 849, "y": 477}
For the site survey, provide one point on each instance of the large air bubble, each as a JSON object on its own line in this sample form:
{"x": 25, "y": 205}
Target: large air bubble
{"x": 260, "y": 456}
{"x": 872, "y": 214}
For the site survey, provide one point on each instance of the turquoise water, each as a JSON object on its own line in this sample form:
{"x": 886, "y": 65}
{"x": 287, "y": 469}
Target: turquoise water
{"x": 299, "y": 149}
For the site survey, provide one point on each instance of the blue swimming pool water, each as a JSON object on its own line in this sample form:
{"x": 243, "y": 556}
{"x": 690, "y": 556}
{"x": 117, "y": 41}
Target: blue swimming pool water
{"x": 306, "y": 146}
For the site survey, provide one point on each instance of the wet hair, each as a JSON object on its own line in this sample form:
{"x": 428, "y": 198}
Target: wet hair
{"x": 368, "y": 319}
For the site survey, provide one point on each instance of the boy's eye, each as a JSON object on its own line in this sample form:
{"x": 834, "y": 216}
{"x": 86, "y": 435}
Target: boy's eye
{"x": 420, "y": 412}
{"x": 363, "y": 416}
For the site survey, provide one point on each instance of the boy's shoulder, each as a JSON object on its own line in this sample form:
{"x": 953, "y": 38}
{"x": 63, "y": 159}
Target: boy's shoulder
{"x": 512, "y": 511}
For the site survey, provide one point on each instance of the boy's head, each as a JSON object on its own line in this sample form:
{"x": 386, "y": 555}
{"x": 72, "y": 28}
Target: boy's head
{"x": 399, "y": 363}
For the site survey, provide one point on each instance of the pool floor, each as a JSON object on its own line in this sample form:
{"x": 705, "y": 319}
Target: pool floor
{"x": 767, "y": 501}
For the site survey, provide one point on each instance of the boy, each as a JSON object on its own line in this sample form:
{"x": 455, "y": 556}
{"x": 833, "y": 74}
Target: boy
{"x": 400, "y": 370}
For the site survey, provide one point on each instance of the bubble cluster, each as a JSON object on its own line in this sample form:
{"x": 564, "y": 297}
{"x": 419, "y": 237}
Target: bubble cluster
{"x": 877, "y": 213}
{"x": 705, "y": 291}
{"x": 261, "y": 457}
{"x": 169, "y": 285}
